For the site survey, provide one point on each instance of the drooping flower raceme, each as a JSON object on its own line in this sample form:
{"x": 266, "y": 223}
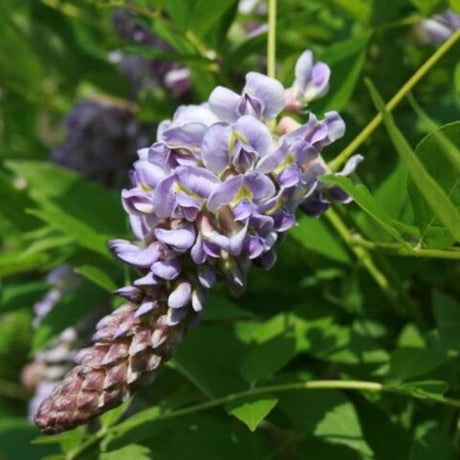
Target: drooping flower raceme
{"x": 208, "y": 199}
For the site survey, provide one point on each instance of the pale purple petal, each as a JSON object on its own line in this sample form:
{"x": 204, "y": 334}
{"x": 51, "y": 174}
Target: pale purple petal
{"x": 214, "y": 148}
{"x": 255, "y": 132}
{"x": 145, "y": 307}
{"x": 206, "y": 276}
{"x": 175, "y": 316}
{"x": 223, "y": 102}
{"x": 133, "y": 255}
{"x": 195, "y": 113}
{"x": 290, "y": 176}
{"x": 243, "y": 210}
{"x": 197, "y": 252}
{"x": 147, "y": 280}
{"x": 284, "y": 220}
{"x": 198, "y": 180}
{"x": 260, "y": 185}
{"x": 164, "y": 199}
{"x": 268, "y": 90}
{"x": 272, "y": 160}
{"x": 236, "y": 242}
{"x": 181, "y": 295}
{"x": 224, "y": 193}
{"x": 137, "y": 201}
{"x": 254, "y": 246}
{"x": 148, "y": 173}
{"x": 167, "y": 269}
{"x": 179, "y": 239}
{"x": 351, "y": 165}
{"x": 130, "y": 293}
{"x": 303, "y": 69}
{"x": 198, "y": 298}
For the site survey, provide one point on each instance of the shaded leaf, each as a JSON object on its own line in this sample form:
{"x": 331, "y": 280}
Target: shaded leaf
{"x": 315, "y": 235}
{"x": 365, "y": 201}
{"x": 431, "y": 191}
{"x": 328, "y": 415}
{"x": 407, "y": 363}
{"x": 132, "y": 452}
{"x": 431, "y": 152}
{"x": 252, "y": 411}
{"x": 97, "y": 276}
{"x": 267, "y": 358}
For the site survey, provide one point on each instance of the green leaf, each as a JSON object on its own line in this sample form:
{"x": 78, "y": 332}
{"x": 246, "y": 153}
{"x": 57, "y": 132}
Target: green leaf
{"x": 431, "y": 443}
{"x": 16, "y": 435}
{"x": 252, "y": 411}
{"x": 219, "y": 308}
{"x": 426, "y": 7}
{"x": 131, "y": 452}
{"x": 455, "y": 5}
{"x": 407, "y": 363}
{"x": 14, "y": 262}
{"x": 446, "y": 311}
{"x": 327, "y": 415}
{"x": 366, "y": 202}
{"x": 315, "y": 235}
{"x": 14, "y": 201}
{"x": 357, "y": 9}
{"x": 73, "y": 228}
{"x": 14, "y": 296}
{"x": 67, "y": 201}
{"x": 346, "y": 60}
{"x": 375, "y": 421}
{"x": 268, "y": 357}
{"x": 438, "y": 154}
{"x": 209, "y": 358}
{"x": 71, "y": 308}
{"x": 319, "y": 449}
{"x": 194, "y": 437}
{"x": 206, "y": 13}
{"x": 431, "y": 191}
{"x": 97, "y": 276}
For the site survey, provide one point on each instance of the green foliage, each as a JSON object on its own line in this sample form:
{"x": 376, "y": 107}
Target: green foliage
{"x": 349, "y": 347}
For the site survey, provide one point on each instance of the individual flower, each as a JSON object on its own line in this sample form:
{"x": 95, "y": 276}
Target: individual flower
{"x": 311, "y": 82}
{"x": 210, "y": 198}
{"x": 437, "y": 29}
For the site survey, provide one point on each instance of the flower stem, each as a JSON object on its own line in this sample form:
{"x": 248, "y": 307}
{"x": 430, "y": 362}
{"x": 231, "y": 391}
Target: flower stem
{"x": 271, "y": 40}
{"x": 337, "y": 162}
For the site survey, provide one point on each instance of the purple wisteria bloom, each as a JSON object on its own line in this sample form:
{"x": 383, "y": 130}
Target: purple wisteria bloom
{"x": 437, "y": 29}
{"x": 210, "y": 198}
{"x": 311, "y": 82}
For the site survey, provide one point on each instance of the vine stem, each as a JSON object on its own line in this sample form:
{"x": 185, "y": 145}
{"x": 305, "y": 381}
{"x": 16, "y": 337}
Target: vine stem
{"x": 337, "y": 162}
{"x": 271, "y": 39}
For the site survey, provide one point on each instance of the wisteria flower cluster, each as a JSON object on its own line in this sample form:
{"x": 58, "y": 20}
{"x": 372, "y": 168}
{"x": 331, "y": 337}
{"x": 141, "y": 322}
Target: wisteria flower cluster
{"x": 209, "y": 198}
{"x": 100, "y": 139}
